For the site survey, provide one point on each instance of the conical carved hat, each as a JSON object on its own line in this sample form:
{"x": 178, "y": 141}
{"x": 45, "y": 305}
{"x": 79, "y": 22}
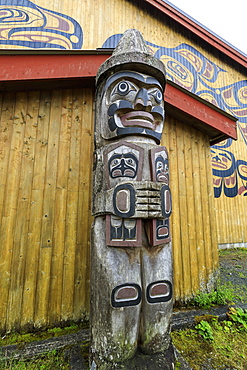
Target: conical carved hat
{"x": 132, "y": 53}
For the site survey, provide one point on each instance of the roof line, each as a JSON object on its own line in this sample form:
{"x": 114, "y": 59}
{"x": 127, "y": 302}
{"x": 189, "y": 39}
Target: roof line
{"x": 68, "y": 70}
{"x": 182, "y": 18}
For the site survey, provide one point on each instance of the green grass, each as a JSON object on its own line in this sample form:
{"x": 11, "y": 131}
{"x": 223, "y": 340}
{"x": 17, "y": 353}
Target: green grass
{"x": 223, "y": 294}
{"x": 49, "y": 361}
{"x": 239, "y": 251}
{"x": 24, "y": 338}
{"x": 216, "y": 344}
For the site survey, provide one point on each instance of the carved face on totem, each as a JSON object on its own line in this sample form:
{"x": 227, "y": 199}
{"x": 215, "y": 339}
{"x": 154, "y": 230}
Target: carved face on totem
{"x": 123, "y": 165}
{"x": 162, "y": 169}
{"x": 132, "y": 104}
{"x": 160, "y": 165}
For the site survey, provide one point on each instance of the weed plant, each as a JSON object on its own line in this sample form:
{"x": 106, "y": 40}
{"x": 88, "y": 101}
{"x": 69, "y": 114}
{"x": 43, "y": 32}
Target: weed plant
{"x": 224, "y": 294}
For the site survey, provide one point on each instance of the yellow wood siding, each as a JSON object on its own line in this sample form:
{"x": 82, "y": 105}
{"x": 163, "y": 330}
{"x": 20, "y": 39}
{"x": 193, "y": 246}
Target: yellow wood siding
{"x": 45, "y": 216}
{"x": 231, "y": 211}
{"x": 45, "y": 165}
{"x": 194, "y": 238}
{"x": 46, "y": 151}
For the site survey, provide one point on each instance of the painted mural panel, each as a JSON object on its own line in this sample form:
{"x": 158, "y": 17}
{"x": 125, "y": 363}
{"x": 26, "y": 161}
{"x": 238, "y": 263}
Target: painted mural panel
{"x": 23, "y": 24}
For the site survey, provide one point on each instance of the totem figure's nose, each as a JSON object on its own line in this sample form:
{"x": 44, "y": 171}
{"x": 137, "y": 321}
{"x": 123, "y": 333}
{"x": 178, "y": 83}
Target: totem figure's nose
{"x": 122, "y": 166}
{"x": 142, "y": 100}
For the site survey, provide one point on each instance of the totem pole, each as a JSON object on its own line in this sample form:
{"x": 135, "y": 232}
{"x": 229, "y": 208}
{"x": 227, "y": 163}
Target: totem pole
{"x": 131, "y": 264}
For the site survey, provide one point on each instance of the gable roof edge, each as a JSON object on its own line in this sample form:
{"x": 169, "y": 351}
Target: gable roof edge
{"x": 199, "y": 30}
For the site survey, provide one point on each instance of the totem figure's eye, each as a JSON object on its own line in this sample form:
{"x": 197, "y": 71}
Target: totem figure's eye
{"x": 123, "y": 87}
{"x": 159, "y": 165}
{"x": 158, "y": 96}
{"x": 130, "y": 161}
{"x": 116, "y": 161}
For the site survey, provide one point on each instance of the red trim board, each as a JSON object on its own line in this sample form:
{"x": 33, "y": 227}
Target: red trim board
{"x": 63, "y": 70}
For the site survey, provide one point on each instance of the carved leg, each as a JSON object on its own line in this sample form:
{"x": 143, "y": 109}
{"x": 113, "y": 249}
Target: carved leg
{"x": 115, "y": 299}
{"x": 157, "y": 304}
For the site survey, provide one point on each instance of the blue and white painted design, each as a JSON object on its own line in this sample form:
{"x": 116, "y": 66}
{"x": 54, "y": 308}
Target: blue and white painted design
{"x": 26, "y": 25}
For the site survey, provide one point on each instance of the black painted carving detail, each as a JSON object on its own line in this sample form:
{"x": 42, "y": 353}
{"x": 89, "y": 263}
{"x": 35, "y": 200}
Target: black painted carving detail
{"x": 126, "y": 295}
{"x": 123, "y": 165}
{"x": 162, "y": 229}
{"x": 136, "y": 105}
{"x": 162, "y": 169}
{"x": 166, "y": 203}
{"x": 122, "y": 229}
{"x": 116, "y": 230}
{"x": 159, "y": 291}
{"x": 131, "y": 200}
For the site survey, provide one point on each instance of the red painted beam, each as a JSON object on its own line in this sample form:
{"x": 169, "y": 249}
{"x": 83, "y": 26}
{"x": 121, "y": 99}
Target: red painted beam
{"x": 62, "y": 70}
{"x": 199, "y": 31}
{"x": 23, "y": 67}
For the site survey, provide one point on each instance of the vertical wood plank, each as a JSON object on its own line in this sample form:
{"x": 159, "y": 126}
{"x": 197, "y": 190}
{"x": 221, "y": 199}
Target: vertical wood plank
{"x": 175, "y": 217}
{"x": 184, "y": 235}
{"x": 6, "y": 129}
{"x": 190, "y": 194}
{"x": 212, "y": 215}
{"x": 204, "y": 146}
{"x": 47, "y": 240}
{"x": 72, "y": 209}
{"x": 81, "y": 298}
{"x": 199, "y": 235}
{"x": 10, "y": 201}
{"x": 60, "y": 209}
{"x": 36, "y": 212}
{"x": 20, "y": 231}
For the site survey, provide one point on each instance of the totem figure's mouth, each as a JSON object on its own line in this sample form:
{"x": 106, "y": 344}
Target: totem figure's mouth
{"x": 162, "y": 177}
{"x": 138, "y": 119}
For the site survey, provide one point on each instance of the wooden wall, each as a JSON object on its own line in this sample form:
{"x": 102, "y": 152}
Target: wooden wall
{"x": 231, "y": 202}
{"x": 194, "y": 236}
{"x": 190, "y": 63}
{"x": 45, "y": 164}
{"x": 46, "y": 147}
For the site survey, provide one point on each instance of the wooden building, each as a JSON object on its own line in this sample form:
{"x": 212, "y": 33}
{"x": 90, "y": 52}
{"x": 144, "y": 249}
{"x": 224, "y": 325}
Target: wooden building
{"x": 50, "y": 54}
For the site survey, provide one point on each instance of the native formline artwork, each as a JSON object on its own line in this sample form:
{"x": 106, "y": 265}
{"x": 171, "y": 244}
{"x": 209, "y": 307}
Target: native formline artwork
{"x": 23, "y": 24}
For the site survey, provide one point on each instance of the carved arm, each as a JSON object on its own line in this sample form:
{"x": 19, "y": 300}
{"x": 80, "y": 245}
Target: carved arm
{"x": 137, "y": 199}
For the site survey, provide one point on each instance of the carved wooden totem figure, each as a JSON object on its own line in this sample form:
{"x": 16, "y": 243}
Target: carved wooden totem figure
{"x": 131, "y": 264}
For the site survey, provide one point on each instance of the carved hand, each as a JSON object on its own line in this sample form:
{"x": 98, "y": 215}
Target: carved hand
{"x": 136, "y": 199}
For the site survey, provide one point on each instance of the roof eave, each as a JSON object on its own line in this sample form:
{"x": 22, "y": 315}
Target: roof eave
{"x": 199, "y": 31}
{"x": 37, "y": 71}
